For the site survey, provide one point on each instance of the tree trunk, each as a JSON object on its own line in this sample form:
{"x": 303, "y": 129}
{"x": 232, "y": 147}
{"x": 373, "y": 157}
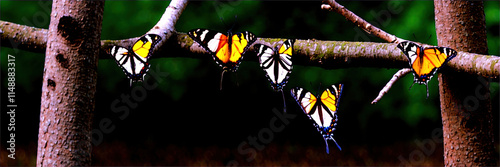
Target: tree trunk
{"x": 465, "y": 99}
{"x": 69, "y": 83}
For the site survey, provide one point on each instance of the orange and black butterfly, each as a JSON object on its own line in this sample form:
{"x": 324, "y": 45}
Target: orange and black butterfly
{"x": 227, "y": 50}
{"x": 425, "y": 61}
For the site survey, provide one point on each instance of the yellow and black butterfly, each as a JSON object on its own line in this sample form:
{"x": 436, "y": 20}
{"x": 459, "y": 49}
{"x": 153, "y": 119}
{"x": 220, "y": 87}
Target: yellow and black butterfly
{"x": 425, "y": 61}
{"x": 227, "y": 50}
{"x": 277, "y": 63}
{"x": 322, "y": 111}
{"x": 134, "y": 60}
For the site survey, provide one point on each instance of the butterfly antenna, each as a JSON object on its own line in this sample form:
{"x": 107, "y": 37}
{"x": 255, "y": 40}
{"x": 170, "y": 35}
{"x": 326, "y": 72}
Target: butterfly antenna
{"x": 430, "y": 35}
{"x": 235, "y": 20}
{"x": 327, "y": 150}
{"x": 284, "y": 103}
{"x": 336, "y": 143}
{"x": 222, "y": 20}
{"x": 221, "y": 77}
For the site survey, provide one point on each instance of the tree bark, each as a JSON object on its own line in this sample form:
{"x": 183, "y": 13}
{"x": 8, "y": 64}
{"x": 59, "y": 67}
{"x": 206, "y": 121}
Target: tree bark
{"x": 69, "y": 83}
{"x": 465, "y": 99}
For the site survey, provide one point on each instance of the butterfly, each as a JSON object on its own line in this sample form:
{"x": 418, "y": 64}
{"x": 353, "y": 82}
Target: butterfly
{"x": 277, "y": 63}
{"x": 322, "y": 111}
{"x": 134, "y": 60}
{"x": 425, "y": 61}
{"x": 226, "y": 50}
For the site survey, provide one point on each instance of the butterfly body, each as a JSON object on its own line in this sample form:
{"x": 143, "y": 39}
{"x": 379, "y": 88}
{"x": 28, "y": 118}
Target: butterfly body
{"x": 277, "y": 62}
{"x": 322, "y": 110}
{"x": 134, "y": 60}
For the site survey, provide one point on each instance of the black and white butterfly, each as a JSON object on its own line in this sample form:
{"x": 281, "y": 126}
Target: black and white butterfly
{"x": 277, "y": 63}
{"x": 134, "y": 60}
{"x": 322, "y": 110}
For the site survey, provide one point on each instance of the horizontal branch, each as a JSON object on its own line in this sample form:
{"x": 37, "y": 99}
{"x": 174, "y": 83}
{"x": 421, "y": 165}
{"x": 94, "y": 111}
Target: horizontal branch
{"x": 325, "y": 54}
{"x": 23, "y": 37}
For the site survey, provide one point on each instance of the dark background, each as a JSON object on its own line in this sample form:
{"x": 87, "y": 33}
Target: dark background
{"x": 186, "y": 120}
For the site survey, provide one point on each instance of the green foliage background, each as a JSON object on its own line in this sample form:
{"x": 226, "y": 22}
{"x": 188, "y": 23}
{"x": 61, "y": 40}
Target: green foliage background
{"x": 188, "y": 77}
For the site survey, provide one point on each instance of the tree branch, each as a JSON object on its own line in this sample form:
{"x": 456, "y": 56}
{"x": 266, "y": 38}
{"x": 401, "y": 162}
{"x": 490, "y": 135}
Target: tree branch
{"x": 23, "y": 37}
{"x": 400, "y": 74}
{"x": 166, "y": 25}
{"x": 325, "y": 54}
{"x": 363, "y": 24}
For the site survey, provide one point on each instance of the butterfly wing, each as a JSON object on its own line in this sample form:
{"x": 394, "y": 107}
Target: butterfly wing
{"x": 266, "y": 60}
{"x": 133, "y": 66}
{"x": 240, "y": 42}
{"x": 214, "y": 42}
{"x": 305, "y": 99}
{"x": 287, "y": 47}
{"x": 331, "y": 96}
{"x": 411, "y": 50}
{"x": 330, "y": 102}
{"x": 430, "y": 61}
{"x": 144, "y": 45}
{"x": 211, "y": 41}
